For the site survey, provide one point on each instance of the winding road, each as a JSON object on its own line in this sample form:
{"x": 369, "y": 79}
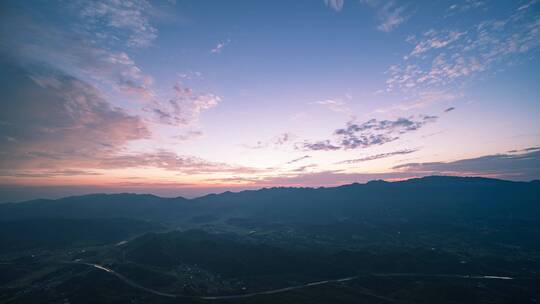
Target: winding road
{"x": 286, "y": 289}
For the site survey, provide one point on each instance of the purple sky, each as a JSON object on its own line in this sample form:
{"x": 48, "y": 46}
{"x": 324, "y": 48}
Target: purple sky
{"x": 191, "y": 97}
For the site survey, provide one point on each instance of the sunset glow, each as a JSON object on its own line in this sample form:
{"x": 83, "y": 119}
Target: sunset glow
{"x": 194, "y": 97}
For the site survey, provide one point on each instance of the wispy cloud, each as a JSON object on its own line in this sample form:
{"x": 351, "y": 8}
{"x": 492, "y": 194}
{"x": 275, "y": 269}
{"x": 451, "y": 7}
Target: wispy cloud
{"x": 220, "y": 46}
{"x": 48, "y": 173}
{"x": 336, "y": 5}
{"x": 112, "y": 21}
{"x": 93, "y": 49}
{"x": 466, "y": 6}
{"x": 184, "y": 107}
{"x": 335, "y": 105}
{"x": 283, "y": 138}
{"x": 189, "y": 135}
{"x": 278, "y": 141}
{"x": 420, "y": 100}
{"x": 443, "y": 57}
{"x": 377, "y": 156}
{"x": 389, "y": 13}
{"x": 449, "y": 109}
{"x": 436, "y": 40}
{"x": 304, "y": 168}
{"x": 171, "y": 161}
{"x": 36, "y": 42}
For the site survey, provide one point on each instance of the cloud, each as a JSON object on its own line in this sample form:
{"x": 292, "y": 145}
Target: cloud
{"x": 378, "y": 132}
{"x": 189, "y": 135}
{"x": 168, "y": 160}
{"x": 304, "y": 168}
{"x": 298, "y": 159}
{"x": 421, "y": 100}
{"x": 449, "y": 109}
{"x": 323, "y": 145}
{"x": 52, "y": 173}
{"x": 436, "y": 40}
{"x": 184, "y": 108}
{"x": 389, "y": 14}
{"x": 59, "y": 121}
{"x": 378, "y": 156}
{"x": 220, "y": 46}
{"x": 190, "y": 75}
{"x": 283, "y": 139}
{"x": 525, "y": 150}
{"x": 54, "y": 124}
{"x": 444, "y": 57}
{"x": 466, "y": 5}
{"x": 56, "y": 115}
{"x": 527, "y": 5}
{"x": 335, "y": 105}
{"x": 83, "y": 49}
{"x": 278, "y": 141}
{"x": 523, "y": 166}
{"x": 126, "y": 20}
{"x": 392, "y": 18}
{"x": 336, "y": 5}
{"x": 35, "y": 44}
{"x": 370, "y": 133}
{"x": 57, "y": 125}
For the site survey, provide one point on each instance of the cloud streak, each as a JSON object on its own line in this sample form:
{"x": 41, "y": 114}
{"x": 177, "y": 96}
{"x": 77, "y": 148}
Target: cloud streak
{"x": 172, "y": 162}
{"x": 523, "y": 166}
{"x": 378, "y": 156}
{"x": 298, "y": 159}
{"x": 421, "y": 100}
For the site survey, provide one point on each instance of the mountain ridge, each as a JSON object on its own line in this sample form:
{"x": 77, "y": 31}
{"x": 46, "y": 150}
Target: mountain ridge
{"x": 431, "y": 196}
{"x": 371, "y": 182}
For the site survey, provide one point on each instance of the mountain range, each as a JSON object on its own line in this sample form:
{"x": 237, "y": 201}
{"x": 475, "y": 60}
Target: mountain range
{"x": 440, "y": 230}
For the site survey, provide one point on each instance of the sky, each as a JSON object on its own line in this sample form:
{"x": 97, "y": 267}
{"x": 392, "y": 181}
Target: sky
{"x": 184, "y": 98}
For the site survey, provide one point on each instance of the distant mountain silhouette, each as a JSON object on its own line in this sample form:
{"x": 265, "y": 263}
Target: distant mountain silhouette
{"x": 122, "y": 205}
{"x": 427, "y": 197}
